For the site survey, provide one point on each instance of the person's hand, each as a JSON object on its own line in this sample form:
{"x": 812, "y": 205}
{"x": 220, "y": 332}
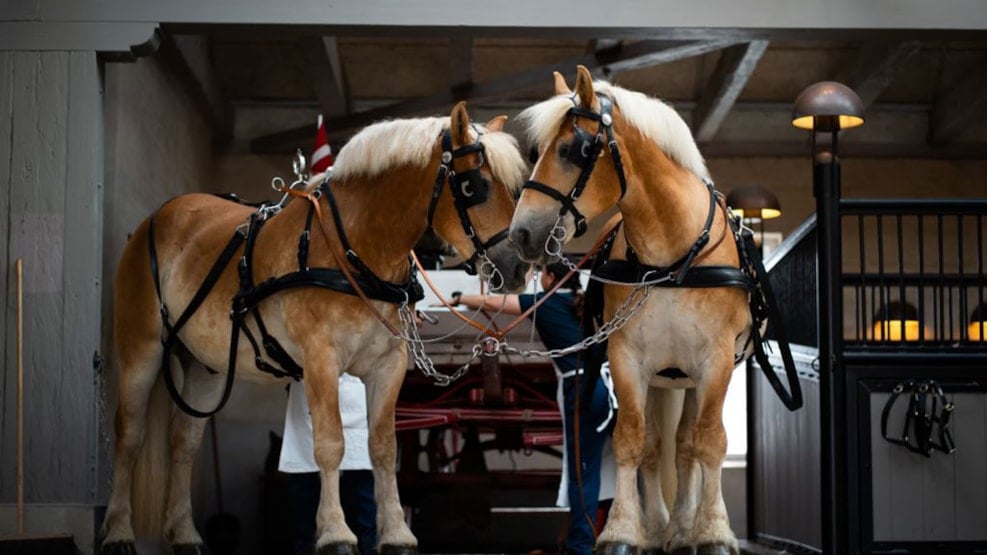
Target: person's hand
{"x": 453, "y": 299}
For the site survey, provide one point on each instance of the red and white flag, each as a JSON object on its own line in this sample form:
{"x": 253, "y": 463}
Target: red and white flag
{"x": 321, "y": 153}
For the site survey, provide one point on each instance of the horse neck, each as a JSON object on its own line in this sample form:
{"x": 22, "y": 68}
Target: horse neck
{"x": 665, "y": 207}
{"x": 382, "y": 217}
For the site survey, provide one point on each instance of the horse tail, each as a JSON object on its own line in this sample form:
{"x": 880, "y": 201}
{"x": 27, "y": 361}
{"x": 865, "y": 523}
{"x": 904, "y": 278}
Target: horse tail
{"x": 153, "y": 464}
{"x": 671, "y": 403}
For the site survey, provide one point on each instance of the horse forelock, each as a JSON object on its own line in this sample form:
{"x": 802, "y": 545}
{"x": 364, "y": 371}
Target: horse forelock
{"x": 654, "y": 118}
{"x": 391, "y": 144}
{"x": 505, "y": 160}
{"x": 387, "y": 145}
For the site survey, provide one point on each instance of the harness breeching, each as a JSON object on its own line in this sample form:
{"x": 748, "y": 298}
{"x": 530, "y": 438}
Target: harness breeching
{"x": 468, "y": 189}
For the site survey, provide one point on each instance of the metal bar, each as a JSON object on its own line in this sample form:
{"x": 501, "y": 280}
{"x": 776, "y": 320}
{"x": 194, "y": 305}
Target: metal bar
{"x": 941, "y": 332}
{"x": 881, "y": 288}
{"x": 862, "y": 302}
{"x": 980, "y": 275}
{"x": 921, "y": 276}
{"x": 960, "y": 293}
{"x": 913, "y": 206}
{"x": 901, "y": 280}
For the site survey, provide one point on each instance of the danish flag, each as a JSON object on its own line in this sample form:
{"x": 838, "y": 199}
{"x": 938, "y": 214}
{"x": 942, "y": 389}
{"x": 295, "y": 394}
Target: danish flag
{"x": 321, "y": 154}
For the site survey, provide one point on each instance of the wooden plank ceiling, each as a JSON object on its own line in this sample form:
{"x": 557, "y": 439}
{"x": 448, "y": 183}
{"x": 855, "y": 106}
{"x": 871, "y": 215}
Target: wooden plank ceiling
{"x": 262, "y": 91}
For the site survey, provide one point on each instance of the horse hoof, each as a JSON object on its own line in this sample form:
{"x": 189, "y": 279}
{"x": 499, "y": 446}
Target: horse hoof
{"x": 715, "y": 549}
{"x": 653, "y": 551}
{"x": 337, "y": 549}
{"x": 397, "y": 550}
{"x": 118, "y": 548}
{"x": 684, "y": 550}
{"x": 187, "y": 549}
{"x": 616, "y": 549}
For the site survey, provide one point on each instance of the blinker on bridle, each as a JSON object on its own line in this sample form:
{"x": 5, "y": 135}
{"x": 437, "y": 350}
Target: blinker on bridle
{"x": 585, "y": 150}
{"x": 468, "y": 190}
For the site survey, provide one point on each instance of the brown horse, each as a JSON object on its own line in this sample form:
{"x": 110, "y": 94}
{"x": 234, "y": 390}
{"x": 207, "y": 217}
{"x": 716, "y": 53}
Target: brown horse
{"x": 603, "y": 146}
{"x": 391, "y": 182}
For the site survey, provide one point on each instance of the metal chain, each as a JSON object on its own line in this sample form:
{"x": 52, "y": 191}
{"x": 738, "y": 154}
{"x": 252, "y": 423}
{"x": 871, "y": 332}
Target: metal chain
{"x": 627, "y": 310}
{"x": 422, "y": 361}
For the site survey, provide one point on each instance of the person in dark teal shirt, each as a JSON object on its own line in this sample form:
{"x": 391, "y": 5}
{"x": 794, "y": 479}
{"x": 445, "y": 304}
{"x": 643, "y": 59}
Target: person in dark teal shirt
{"x": 558, "y": 322}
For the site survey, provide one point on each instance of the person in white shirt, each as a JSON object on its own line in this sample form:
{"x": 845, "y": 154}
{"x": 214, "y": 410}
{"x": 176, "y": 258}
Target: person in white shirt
{"x": 356, "y": 481}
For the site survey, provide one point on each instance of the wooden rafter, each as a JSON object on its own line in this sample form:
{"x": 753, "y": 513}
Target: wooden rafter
{"x": 633, "y": 56}
{"x": 190, "y": 57}
{"x": 326, "y": 71}
{"x": 962, "y": 105}
{"x": 876, "y": 66}
{"x": 734, "y": 69}
{"x": 460, "y": 61}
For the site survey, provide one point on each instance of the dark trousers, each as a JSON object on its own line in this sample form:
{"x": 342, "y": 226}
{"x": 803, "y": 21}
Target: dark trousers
{"x": 584, "y": 501}
{"x": 356, "y": 494}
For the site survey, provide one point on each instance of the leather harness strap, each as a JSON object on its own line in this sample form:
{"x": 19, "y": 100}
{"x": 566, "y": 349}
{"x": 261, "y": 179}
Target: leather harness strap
{"x": 921, "y": 418}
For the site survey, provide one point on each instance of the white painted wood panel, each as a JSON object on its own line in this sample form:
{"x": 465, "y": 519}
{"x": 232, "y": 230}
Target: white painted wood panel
{"x": 941, "y": 498}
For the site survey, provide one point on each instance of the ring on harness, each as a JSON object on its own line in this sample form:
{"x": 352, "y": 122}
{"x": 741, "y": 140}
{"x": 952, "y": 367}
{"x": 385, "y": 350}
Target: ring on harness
{"x": 922, "y": 416}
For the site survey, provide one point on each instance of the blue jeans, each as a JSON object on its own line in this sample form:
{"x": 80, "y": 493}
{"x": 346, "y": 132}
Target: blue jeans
{"x": 583, "y": 503}
{"x": 356, "y": 495}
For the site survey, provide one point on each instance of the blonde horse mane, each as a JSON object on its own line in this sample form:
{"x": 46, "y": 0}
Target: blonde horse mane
{"x": 389, "y": 144}
{"x": 654, "y": 118}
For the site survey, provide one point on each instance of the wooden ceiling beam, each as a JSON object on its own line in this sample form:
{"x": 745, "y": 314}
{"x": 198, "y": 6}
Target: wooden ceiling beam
{"x": 732, "y": 72}
{"x": 326, "y": 71}
{"x": 460, "y": 62}
{"x": 876, "y": 66}
{"x": 633, "y": 56}
{"x": 190, "y": 58}
{"x": 961, "y": 106}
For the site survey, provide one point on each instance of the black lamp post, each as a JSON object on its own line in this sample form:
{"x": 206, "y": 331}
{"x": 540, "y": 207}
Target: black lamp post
{"x": 829, "y": 107}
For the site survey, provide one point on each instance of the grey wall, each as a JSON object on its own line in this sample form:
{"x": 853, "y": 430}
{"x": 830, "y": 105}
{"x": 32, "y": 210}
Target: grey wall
{"x": 50, "y": 201}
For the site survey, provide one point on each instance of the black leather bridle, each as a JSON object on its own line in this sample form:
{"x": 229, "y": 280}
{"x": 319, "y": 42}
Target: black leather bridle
{"x": 584, "y": 152}
{"x": 468, "y": 189}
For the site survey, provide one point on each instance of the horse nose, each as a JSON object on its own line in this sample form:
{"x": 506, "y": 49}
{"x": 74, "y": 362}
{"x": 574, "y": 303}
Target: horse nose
{"x": 520, "y": 236}
{"x": 521, "y": 272}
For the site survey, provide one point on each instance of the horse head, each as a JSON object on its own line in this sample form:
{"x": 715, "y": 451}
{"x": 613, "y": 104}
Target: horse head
{"x": 564, "y": 191}
{"x": 484, "y": 169}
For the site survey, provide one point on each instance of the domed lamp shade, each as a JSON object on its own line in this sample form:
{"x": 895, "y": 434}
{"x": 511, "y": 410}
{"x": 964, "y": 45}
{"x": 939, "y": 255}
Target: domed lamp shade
{"x": 977, "y": 330}
{"x": 754, "y": 201}
{"x": 898, "y": 321}
{"x": 827, "y": 106}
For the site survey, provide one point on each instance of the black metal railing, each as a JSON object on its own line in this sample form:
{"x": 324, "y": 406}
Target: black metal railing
{"x": 913, "y": 274}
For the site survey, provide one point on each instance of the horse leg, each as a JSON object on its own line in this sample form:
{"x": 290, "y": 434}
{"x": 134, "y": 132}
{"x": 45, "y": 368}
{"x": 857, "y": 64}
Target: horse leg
{"x": 140, "y": 363}
{"x": 623, "y": 533}
{"x": 322, "y": 390}
{"x": 712, "y": 534}
{"x": 383, "y": 386}
{"x": 201, "y": 390}
{"x": 664, "y": 406}
{"x": 677, "y": 536}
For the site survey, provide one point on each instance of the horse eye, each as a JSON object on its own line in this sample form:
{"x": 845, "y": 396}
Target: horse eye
{"x": 564, "y": 151}
{"x": 533, "y": 154}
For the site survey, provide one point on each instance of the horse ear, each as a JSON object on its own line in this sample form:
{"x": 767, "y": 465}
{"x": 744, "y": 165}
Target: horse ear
{"x": 496, "y": 124}
{"x": 560, "y": 85}
{"x": 584, "y": 87}
{"x": 460, "y": 123}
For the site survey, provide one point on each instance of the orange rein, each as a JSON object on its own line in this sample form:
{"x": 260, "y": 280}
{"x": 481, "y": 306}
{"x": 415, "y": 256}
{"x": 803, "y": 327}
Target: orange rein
{"x": 340, "y": 262}
{"x": 499, "y": 334}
